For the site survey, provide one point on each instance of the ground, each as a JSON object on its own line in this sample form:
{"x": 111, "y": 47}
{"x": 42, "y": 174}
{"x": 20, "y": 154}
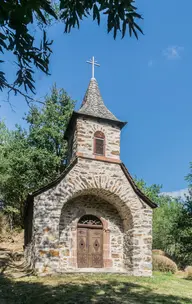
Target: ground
{"x": 20, "y": 286}
{"x": 97, "y": 289}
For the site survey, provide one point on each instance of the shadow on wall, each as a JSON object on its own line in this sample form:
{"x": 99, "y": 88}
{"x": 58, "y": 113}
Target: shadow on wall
{"x": 74, "y": 209}
{"x": 81, "y": 289}
{"x": 104, "y": 196}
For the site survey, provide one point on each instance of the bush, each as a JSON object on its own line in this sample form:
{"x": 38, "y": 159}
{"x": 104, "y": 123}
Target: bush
{"x": 188, "y": 271}
{"x": 158, "y": 252}
{"x": 164, "y": 264}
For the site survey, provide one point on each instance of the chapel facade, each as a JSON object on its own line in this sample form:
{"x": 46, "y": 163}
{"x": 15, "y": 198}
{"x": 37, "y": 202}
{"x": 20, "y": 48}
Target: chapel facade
{"x": 93, "y": 217}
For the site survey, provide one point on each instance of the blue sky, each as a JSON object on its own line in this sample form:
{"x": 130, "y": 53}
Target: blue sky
{"x": 145, "y": 82}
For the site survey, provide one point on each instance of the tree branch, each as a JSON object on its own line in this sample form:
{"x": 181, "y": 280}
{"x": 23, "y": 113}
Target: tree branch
{"x": 16, "y": 91}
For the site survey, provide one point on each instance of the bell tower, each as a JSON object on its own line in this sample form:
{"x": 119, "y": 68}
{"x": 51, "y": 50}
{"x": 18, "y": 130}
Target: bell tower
{"x": 93, "y": 131}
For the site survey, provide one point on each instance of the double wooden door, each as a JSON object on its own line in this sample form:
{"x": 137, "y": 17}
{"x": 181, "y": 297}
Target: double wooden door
{"x": 90, "y": 248}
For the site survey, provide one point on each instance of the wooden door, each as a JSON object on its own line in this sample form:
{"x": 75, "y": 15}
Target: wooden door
{"x": 82, "y": 247}
{"x": 90, "y": 248}
{"x": 95, "y": 252}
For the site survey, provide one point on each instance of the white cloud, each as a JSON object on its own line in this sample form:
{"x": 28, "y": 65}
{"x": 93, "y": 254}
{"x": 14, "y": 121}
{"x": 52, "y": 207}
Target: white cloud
{"x": 173, "y": 52}
{"x": 180, "y": 193}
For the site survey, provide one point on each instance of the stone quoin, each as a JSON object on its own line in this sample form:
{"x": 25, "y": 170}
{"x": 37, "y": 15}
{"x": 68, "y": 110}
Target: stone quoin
{"x": 93, "y": 217}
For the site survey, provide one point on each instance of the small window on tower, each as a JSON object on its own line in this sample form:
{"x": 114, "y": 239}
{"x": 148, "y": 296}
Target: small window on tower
{"x": 99, "y": 143}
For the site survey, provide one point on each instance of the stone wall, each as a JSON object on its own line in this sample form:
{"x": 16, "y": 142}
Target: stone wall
{"x": 112, "y": 231}
{"x": 108, "y": 183}
{"x": 85, "y": 134}
{"x": 72, "y": 143}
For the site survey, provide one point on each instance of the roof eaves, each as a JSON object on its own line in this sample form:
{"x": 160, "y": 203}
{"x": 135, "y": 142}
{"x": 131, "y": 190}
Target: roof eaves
{"x": 117, "y": 122}
{"x": 136, "y": 189}
{"x": 56, "y": 181}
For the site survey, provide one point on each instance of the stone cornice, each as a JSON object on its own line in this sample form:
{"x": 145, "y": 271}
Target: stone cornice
{"x": 99, "y": 158}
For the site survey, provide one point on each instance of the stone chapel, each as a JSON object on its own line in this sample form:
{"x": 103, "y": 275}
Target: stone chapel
{"x": 92, "y": 217}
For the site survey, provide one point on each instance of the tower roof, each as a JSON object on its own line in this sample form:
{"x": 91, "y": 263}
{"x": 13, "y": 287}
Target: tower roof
{"x": 93, "y": 107}
{"x": 93, "y": 103}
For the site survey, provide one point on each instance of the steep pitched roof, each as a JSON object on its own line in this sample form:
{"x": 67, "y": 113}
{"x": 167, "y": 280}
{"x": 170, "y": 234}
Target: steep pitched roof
{"x": 93, "y": 103}
{"x": 93, "y": 107}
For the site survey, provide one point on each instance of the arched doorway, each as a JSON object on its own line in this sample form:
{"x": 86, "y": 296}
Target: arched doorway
{"x": 89, "y": 242}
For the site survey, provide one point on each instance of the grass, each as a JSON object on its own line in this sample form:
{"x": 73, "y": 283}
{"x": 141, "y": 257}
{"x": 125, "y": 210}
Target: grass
{"x": 96, "y": 289}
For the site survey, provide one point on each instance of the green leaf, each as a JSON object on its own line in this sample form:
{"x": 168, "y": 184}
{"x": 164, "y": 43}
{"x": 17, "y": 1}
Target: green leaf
{"x": 3, "y": 44}
{"x": 110, "y": 22}
{"x": 138, "y": 28}
{"x": 2, "y": 36}
{"x": 96, "y": 13}
{"x": 41, "y": 16}
{"x": 121, "y": 11}
{"x": 134, "y": 31}
{"x": 124, "y": 26}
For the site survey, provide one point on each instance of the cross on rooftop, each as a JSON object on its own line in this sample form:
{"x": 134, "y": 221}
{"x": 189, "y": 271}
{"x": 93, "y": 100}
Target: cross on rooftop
{"x": 93, "y": 63}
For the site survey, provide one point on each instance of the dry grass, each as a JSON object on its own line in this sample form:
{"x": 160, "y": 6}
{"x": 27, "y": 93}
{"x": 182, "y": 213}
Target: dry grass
{"x": 164, "y": 264}
{"x": 158, "y": 252}
{"x": 12, "y": 241}
{"x": 188, "y": 272}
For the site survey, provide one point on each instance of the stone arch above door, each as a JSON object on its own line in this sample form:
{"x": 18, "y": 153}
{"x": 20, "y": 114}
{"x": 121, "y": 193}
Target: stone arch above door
{"x": 112, "y": 231}
{"x": 113, "y": 199}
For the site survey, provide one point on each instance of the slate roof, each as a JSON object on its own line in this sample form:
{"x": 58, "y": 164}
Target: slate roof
{"x": 93, "y": 103}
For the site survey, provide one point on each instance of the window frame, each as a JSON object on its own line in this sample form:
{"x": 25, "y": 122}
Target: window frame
{"x": 101, "y": 136}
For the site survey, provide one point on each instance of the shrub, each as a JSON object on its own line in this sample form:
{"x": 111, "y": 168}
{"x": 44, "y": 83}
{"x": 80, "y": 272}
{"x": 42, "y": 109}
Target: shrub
{"x": 164, "y": 264}
{"x": 188, "y": 271}
{"x": 158, "y": 252}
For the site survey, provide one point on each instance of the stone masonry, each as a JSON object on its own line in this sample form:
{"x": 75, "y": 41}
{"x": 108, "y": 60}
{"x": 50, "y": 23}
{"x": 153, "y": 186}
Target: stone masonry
{"x": 98, "y": 185}
{"x": 82, "y": 142}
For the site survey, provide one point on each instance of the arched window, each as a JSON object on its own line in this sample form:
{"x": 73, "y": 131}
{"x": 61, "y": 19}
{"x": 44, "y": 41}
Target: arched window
{"x": 99, "y": 143}
{"x": 89, "y": 220}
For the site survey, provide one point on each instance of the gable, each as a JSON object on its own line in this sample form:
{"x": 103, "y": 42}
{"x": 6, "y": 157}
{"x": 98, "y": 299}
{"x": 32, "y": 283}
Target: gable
{"x": 97, "y": 177}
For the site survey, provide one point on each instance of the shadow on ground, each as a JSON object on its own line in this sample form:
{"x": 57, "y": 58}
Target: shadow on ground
{"x": 98, "y": 292}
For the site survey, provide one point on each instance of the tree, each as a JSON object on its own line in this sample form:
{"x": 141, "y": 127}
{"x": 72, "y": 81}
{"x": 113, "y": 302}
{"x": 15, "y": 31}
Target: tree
{"x": 165, "y": 218}
{"x": 183, "y": 232}
{"x": 172, "y": 223}
{"x": 16, "y": 36}
{"x": 165, "y": 221}
{"x": 184, "y": 226}
{"x": 189, "y": 177}
{"x": 46, "y": 131}
{"x": 30, "y": 159}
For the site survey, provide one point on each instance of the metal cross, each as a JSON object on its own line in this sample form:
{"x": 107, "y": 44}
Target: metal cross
{"x": 93, "y": 63}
